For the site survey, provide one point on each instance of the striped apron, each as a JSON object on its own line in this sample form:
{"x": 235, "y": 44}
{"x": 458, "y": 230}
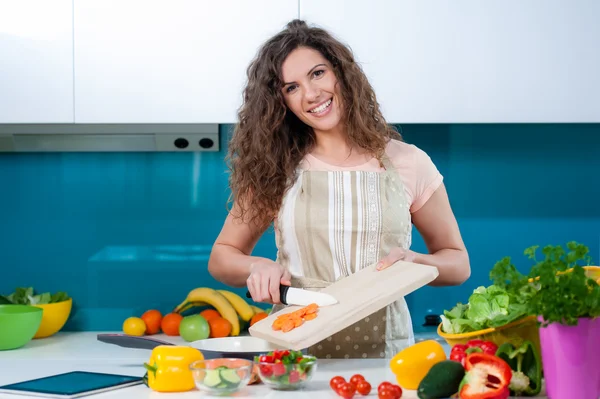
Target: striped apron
{"x": 334, "y": 223}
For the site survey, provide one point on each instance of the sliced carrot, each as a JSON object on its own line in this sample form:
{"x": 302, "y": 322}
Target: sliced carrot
{"x": 288, "y": 325}
{"x": 310, "y": 316}
{"x": 288, "y": 321}
{"x": 278, "y": 323}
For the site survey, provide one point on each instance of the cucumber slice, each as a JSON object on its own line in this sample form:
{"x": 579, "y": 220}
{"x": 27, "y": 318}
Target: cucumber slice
{"x": 230, "y": 377}
{"x": 212, "y": 378}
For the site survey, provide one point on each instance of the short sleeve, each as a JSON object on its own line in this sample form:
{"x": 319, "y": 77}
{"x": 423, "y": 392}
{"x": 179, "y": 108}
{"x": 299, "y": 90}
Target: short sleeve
{"x": 416, "y": 170}
{"x": 427, "y": 179}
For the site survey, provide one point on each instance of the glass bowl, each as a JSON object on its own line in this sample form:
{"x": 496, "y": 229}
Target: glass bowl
{"x": 287, "y": 377}
{"x": 222, "y": 376}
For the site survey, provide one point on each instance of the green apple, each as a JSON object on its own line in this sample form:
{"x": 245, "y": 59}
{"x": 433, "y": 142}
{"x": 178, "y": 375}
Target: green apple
{"x": 194, "y": 328}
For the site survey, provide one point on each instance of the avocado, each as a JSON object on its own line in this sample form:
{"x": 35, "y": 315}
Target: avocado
{"x": 442, "y": 380}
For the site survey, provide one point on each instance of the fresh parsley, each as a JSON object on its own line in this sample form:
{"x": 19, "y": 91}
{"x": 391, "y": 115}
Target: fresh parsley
{"x": 557, "y": 287}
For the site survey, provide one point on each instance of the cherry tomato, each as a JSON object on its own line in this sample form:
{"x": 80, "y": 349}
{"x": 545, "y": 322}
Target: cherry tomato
{"x": 336, "y": 381}
{"x": 346, "y": 390}
{"x": 363, "y": 388}
{"x": 383, "y": 385}
{"x": 356, "y": 378}
{"x": 396, "y": 390}
{"x": 387, "y": 393}
{"x": 266, "y": 370}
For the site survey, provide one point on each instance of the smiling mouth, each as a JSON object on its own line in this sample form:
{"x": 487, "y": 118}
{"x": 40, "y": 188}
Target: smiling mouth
{"x": 321, "y": 108}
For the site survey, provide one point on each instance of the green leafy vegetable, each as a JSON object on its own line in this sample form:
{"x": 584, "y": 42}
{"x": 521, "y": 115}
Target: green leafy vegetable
{"x": 491, "y": 306}
{"x": 27, "y": 296}
{"x": 548, "y": 291}
{"x": 562, "y": 293}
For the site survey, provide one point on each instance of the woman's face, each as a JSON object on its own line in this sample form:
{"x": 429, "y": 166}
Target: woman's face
{"x": 310, "y": 89}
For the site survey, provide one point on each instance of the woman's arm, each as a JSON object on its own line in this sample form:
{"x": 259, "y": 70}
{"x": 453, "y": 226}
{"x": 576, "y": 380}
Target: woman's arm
{"x": 230, "y": 260}
{"x": 437, "y": 225}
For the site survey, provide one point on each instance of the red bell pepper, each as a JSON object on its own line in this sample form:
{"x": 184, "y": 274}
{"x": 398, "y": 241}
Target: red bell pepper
{"x": 487, "y": 377}
{"x": 460, "y": 352}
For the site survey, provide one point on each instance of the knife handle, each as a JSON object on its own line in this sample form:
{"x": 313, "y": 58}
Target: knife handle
{"x": 283, "y": 289}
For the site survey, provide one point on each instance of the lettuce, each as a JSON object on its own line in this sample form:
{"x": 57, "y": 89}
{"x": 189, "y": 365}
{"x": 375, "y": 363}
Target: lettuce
{"x": 487, "y": 307}
{"x": 27, "y": 296}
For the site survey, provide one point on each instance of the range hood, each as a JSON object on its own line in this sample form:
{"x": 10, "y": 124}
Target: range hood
{"x": 109, "y": 137}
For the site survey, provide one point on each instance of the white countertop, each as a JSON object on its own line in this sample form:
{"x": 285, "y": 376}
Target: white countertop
{"x": 81, "y": 351}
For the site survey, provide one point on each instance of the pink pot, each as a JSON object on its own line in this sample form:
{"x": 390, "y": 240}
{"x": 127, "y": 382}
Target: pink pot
{"x": 571, "y": 359}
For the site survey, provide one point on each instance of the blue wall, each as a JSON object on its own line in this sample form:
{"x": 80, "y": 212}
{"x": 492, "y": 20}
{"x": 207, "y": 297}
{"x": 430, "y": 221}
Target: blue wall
{"x": 115, "y": 230}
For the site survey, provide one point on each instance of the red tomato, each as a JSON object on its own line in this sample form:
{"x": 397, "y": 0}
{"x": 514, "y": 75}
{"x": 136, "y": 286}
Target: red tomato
{"x": 396, "y": 389}
{"x": 356, "y": 378}
{"x": 383, "y": 385}
{"x": 266, "y": 370}
{"x": 336, "y": 381}
{"x": 278, "y": 369}
{"x": 387, "y": 393}
{"x": 346, "y": 390}
{"x": 363, "y": 388}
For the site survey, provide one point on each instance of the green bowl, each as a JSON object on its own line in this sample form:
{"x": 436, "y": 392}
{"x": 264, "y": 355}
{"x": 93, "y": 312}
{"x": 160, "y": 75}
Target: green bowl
{"x": 18, "y": 325}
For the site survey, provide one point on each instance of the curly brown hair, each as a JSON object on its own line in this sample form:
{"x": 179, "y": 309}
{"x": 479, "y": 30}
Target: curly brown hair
{"x": 269, "y": 141}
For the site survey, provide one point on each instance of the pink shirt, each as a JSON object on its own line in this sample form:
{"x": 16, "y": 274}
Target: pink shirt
{"x": 415, "y": 168}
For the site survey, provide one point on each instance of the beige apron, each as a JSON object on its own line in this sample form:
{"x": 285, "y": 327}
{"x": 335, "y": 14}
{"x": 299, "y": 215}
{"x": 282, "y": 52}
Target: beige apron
{"x": 333, "y": 223}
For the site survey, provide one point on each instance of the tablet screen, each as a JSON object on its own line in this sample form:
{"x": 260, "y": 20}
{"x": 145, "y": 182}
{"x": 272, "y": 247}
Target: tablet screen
{"x": 72, "y": 383}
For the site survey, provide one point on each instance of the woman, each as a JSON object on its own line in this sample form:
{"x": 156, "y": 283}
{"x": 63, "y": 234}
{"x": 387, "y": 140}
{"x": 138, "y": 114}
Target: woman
{"x": 313, "y": 155}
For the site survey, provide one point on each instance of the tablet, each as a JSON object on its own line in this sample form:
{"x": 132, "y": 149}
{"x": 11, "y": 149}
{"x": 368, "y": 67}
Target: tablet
{"x": 71, "y": 385}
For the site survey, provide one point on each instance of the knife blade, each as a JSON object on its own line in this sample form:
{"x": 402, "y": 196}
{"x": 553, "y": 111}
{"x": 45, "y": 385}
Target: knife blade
{"x": 297, "y": 296}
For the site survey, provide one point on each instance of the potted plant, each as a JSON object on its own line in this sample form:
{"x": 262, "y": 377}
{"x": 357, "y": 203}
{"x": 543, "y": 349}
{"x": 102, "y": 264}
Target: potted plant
{"x": 566, "y": 303}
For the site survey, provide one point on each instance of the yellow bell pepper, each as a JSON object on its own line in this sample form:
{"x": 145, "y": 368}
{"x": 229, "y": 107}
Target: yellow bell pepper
{"x": 411, "y": 364}
{"x": 168, "y": 369}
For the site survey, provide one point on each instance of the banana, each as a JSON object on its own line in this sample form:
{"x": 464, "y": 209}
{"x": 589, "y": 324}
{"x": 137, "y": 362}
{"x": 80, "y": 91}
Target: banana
{"x": 240, "y": 305}
{"x": 189, "y": 305}
{"x": 217, "y": 300}
{"x": 257, "y": 309}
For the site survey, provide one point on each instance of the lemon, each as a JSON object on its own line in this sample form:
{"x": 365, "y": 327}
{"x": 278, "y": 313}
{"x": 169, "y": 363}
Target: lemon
{"x": 134, "y": 326}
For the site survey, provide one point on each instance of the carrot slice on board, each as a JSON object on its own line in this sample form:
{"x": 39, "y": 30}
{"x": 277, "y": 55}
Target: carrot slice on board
{"x": 288, "y": 321}
{"x": 288, "y": 325}
{"x": 310, "y": 316}
{"x": 312, "y": 308}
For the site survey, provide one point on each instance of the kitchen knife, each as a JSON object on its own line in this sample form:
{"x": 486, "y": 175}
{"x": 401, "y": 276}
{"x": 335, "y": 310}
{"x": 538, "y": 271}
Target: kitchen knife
{"x": 296, "y": 296}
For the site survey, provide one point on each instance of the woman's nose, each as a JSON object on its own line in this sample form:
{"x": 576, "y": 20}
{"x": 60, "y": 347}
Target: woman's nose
{"x": 312, "y": 93}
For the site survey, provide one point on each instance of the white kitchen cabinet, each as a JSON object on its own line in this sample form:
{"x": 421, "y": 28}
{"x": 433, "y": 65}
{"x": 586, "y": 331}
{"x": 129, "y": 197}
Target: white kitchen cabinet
{"x": 473, "y": 61}
{"x": 168, "y": 61}
{"x": 36, "y": 61}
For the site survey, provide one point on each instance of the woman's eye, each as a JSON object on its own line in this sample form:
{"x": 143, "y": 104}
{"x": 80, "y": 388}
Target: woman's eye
{"x": 318, "y": 72}
{"x": 290, "y": 88}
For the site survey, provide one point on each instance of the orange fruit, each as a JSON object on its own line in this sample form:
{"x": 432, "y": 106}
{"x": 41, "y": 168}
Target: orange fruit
{"x": 170, "y": 324}
{"x": 210, "y": 314}
{"x": 258, "y": 317}
{"x": 219, "y": 327}
{"x": 152, "y": 318}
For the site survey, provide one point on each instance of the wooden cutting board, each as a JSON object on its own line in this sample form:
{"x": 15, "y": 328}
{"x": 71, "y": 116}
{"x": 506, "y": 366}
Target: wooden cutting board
{"x": 359, "y": 295}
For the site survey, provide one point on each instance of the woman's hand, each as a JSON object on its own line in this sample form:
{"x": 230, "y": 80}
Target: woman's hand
{"x": 265, "y": 278}
{"x": 395, "y": 255}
